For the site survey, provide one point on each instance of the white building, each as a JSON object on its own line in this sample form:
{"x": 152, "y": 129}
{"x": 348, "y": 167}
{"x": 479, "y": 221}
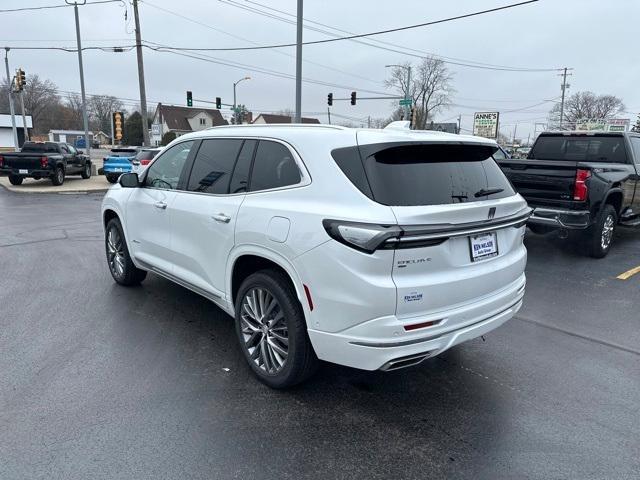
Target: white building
{"x": 6, "y": 132}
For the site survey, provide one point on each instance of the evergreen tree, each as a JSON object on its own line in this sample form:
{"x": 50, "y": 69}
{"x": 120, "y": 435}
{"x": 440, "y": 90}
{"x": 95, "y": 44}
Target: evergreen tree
{"x": 133, "y": 130}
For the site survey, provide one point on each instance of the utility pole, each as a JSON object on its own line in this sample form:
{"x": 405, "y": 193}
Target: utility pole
{"x": 459, "y": 123}
{"x": 407, "y": 107}
{"x": 143, "y": 92}
{"x": 369, "y": 121}
{"x": 515, "y": 129}
{"x": 564, "y": 87}
{"x": 329, "y": 114}
{"x": 298, "y": 118}
{"x": 11, "y": 109}
{"x": 85, "y": 118}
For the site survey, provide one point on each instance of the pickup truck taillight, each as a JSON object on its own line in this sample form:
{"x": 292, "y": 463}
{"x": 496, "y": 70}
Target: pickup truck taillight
{"x": 580, "y": 190}
{"x": 44, "y": 162}
{"x": 1, "y": 161}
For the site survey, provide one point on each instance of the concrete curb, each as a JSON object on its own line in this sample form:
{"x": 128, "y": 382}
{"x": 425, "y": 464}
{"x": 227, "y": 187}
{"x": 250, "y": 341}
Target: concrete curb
{"x": 49, "y": 189}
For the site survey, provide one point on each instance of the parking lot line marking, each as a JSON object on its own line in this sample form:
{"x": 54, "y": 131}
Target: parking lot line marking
{"x": 629, "y": 273}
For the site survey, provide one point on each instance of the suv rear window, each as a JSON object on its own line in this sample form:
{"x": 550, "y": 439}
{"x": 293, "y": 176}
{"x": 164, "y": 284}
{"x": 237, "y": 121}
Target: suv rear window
{"x": 580, "y": 148}
{"x": 424, "y": 174}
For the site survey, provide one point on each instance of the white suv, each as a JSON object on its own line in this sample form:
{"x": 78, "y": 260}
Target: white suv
{"x": 372, "y": 249}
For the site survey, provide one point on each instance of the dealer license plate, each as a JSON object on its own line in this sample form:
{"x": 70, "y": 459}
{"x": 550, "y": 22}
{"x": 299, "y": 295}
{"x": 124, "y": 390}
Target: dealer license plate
{"x": 23, "y": 170}
{"x": 117, "y": 169}
{"x": 483, "y": 246}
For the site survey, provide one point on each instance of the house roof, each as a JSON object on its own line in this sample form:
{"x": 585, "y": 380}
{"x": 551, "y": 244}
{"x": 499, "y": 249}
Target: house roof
{"x": 273, "y": 118}
{"x": 68, "y": 132}
{"x": 176, "y": 118}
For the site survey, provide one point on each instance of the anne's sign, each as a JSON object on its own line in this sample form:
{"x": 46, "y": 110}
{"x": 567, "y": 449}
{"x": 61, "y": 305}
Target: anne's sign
{"x": 485, "y": 124}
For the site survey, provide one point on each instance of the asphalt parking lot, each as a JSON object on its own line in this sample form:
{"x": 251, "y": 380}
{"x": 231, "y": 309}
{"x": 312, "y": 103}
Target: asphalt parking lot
{"x": 99, "y": 381}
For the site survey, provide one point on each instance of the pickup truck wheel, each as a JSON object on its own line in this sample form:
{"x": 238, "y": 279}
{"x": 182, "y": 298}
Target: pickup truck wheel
{"x": 15, "y": 180}
{"x": 58, "y": 177}
{"x": 272, "y": 330}
{"x": 112, "y": 178}
{"x": 601, "y": 234}
{"x": 86, "y": 172}
{"x": 120, "y": 264}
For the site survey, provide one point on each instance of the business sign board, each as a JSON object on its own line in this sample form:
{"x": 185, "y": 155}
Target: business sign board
{"x": 155, "y": 129}
{"x": 485, "y": 124}
{"x": 603, "y": 124}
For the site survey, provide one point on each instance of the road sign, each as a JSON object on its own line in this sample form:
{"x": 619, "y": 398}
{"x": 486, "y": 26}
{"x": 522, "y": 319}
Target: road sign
{"x": 405, "y": 102}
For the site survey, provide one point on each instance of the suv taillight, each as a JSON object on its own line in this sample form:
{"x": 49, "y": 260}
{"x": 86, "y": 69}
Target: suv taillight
{"x": 44, "y": 162}
{"x": 361, "y": 236}
{"x": 580, "y": 190}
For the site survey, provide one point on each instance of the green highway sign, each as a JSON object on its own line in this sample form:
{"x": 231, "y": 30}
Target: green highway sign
{"x": 405, "y": 102}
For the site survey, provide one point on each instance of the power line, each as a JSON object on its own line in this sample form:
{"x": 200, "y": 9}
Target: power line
{"x": 404, "y": 49}
{"x": 48, "y": 7}
{"x": 369, "y": 34}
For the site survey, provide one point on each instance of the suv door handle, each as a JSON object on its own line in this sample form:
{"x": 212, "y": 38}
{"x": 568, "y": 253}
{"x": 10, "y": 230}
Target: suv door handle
{"x": 160, "y": 205}
{"x": 221, "y": 217}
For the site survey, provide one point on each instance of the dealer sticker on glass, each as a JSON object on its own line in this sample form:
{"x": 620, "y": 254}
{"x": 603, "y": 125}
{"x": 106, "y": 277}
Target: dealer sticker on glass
{"x": 483, "y": 246}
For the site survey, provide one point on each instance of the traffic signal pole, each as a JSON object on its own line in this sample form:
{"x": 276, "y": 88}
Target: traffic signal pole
{"x": 11, "y": 109}
{"x": 143, "y": 91}
{"x": 24, "y": 118}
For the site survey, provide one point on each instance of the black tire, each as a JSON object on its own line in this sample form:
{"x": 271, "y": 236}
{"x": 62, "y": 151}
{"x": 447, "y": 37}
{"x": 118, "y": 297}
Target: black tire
{"x": 112, "y": 178}
{"x": 301, "y": 361}
{"x": 600, "y": 235}
{"x": 540, "y": 229}
{"x": 15, "y": 180}
{"x": 58, "y": 176}
{"x": 130, "y": 274}
{"x": 86, "y": 171}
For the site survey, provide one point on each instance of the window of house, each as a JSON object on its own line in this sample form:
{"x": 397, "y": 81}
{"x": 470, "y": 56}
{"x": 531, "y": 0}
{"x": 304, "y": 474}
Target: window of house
{"x": 203, "y": 121}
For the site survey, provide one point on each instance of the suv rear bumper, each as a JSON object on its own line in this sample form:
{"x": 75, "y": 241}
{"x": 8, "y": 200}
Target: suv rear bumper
{"x": 560, "y": 218}
{"x": 365, "y": 346}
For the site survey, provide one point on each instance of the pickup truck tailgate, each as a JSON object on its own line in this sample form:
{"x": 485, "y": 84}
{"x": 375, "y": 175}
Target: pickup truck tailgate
{"x": 541, "y": 179}
{"x": 29, "y": 162}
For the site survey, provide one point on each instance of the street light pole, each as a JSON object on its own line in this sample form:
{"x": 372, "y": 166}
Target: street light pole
{"x": 234, "y": 92}
{"x": 11, "y": 109}
{"x": 85, "y": 118}
{"x": 298, "y": 118}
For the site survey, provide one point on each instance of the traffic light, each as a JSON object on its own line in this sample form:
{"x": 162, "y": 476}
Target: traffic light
{"x": 218, "y": 103}
{"x": 353, "y": 98}
{"x": 20, "y": 80}
{"x": 189, "y": 99}
{"x": 330, "y": 99}
{"x": 118, "y": 125}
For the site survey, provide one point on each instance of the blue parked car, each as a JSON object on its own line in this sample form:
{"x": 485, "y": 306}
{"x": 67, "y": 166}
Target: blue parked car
{"x": 119, "y": 161}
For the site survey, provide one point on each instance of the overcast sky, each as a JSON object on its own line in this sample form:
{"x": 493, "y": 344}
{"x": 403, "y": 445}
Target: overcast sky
{"x": 597, "y": 38}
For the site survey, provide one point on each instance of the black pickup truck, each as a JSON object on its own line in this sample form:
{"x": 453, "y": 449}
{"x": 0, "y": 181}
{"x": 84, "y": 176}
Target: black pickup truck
{"x": 581, "y": 182}
{"x": 37, "y": 160}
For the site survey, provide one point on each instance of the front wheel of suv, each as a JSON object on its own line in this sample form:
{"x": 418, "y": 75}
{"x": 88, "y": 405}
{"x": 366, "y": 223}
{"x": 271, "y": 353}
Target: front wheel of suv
{"x": 120, "y": 264}
{"x": 600, "y": 235}
{"x": 272, "y": 331}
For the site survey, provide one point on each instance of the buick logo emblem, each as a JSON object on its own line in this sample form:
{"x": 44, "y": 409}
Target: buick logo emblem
{"x": 492, "y": 213}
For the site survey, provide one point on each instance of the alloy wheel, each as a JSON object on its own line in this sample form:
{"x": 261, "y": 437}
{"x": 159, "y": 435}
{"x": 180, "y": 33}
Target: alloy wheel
{"x": 264, "y": 330}
{"x": 115, "y": 252}
{"x": 607, "y": 232}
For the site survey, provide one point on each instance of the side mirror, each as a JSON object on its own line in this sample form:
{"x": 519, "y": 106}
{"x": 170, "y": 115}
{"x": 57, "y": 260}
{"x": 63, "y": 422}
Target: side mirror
{"x": 129, "y": 180}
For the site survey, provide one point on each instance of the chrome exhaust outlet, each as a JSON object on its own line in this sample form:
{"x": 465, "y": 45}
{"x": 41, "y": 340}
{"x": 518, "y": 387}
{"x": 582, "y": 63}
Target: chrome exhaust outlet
{"x": 404, "y": 362}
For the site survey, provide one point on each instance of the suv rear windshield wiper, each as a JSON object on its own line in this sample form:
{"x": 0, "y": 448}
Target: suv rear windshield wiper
{"x": 487, "y": 192}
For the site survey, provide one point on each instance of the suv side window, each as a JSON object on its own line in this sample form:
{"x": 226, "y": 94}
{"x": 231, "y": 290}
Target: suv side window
{"x": 273, "y": 167}
{"x": 213, "y": 165}
{"x": 240, "y": 177}
{"x": 635, "y": 144}
{"x": 166, "y": 170}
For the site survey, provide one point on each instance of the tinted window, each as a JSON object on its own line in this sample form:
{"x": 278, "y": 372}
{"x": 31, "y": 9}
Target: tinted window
{"x": 273, "y": 167}
{"x": 417, "y": 174}
{"x": 240, "y": 177}
{"x": 635, "y": 143}
{"x": 213, "y": 166}
{"x": 166, "y": 170}
{"x": 583, "y": 148}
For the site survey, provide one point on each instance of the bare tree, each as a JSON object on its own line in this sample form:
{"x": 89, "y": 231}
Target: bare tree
{"x": 100, "y": 108}
{"x": 74, "y": 106}
{"x": 430, "y": 89}
{"x": 587, "y": 105}
{"x": 41, "y": 100}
